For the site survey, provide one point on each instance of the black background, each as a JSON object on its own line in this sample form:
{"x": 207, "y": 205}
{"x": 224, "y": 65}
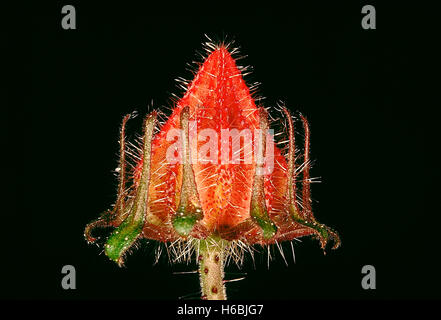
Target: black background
{"x": 350, "y": 83}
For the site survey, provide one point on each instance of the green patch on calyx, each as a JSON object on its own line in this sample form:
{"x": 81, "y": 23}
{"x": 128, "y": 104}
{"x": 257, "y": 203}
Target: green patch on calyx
{"x": 125, "y": 235}
{"x": 258, "y": 210}
{"x": 189, "y": 209}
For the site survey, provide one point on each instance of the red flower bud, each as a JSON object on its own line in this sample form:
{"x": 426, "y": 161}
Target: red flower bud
{"x": 214, "y": 171}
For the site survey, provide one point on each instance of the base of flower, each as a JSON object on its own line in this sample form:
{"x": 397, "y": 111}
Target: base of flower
{"x": 211, "y": 261}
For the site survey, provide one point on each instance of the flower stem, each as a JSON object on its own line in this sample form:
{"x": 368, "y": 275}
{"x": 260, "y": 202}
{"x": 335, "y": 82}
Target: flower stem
{"x": 211, "y": 269}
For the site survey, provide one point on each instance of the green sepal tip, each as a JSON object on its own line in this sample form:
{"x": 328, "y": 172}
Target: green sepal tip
{"x": 121, "y": 239}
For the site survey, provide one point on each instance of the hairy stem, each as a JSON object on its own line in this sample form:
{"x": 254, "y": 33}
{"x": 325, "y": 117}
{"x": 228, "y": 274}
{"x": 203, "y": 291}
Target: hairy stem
{"x": 211, "y": 269}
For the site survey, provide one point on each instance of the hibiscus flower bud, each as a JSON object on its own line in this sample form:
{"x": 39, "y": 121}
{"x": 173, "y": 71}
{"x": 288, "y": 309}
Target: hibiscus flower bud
{"x": 211, "y": 180}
